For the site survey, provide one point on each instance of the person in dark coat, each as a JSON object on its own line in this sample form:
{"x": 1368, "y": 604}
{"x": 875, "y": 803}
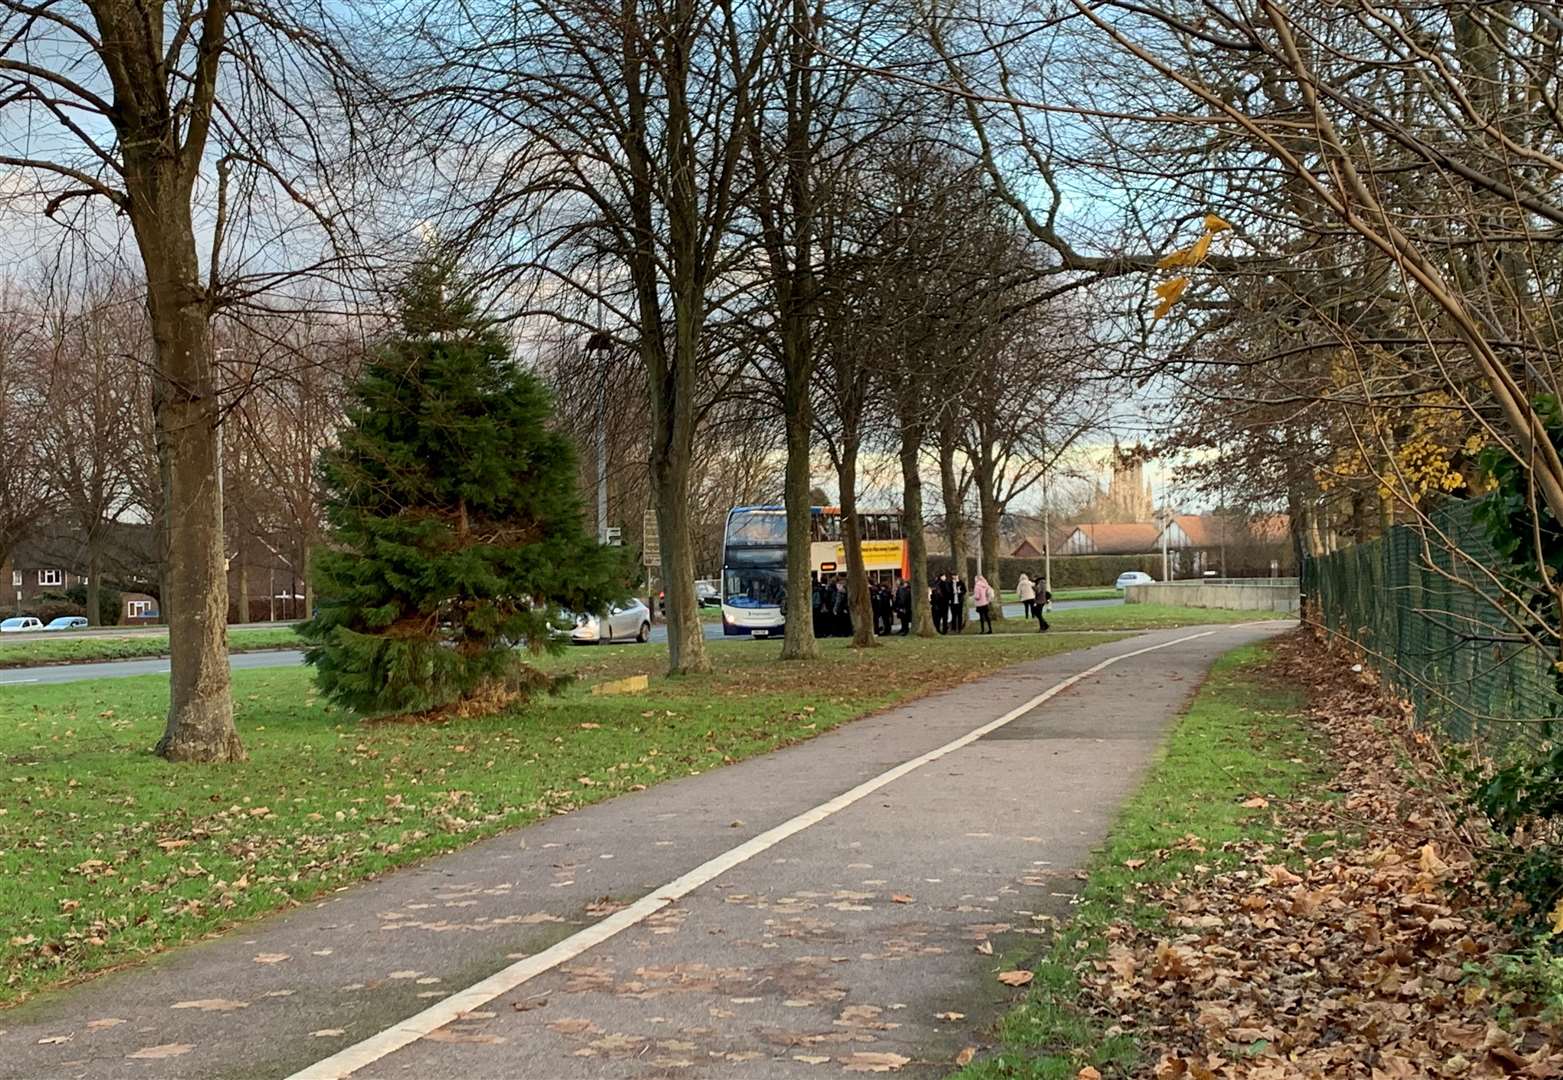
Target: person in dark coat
{"x": 882, "y": 606}
{"x": 843, "y": 611}
{"x": 1044, "y": 596}
{"x": 817, "y": 603}
{"x": 903, "y": 606}
{"x": 957, "y": 615}
{"x": 940, "y": 602}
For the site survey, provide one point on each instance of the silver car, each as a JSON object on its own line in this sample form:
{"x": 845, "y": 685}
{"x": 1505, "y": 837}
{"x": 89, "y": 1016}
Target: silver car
{"x": 623, "y": 622}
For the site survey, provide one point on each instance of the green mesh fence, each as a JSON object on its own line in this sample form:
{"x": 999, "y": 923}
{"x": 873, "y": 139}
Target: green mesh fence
{"x": 1423, "y": 604}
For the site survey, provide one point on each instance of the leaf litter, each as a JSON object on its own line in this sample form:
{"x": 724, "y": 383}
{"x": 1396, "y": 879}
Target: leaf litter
{"x": 1357, "y": 945}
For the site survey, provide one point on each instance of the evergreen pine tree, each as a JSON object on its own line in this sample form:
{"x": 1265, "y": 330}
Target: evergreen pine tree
{"x": 455, "y": 524}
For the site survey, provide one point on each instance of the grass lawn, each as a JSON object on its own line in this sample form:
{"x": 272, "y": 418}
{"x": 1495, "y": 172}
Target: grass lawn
{"x": 80, "y": 650}
{"x": 107, "y": 853}
{"x": 1241, "y": 737}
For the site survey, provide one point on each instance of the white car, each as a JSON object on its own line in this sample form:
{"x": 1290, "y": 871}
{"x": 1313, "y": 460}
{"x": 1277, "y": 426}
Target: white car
{"x": 22, "y": 624}
{"x": 623, "y": 622}
{"x": 68, "y": 622}
{"x": 1132, "y": 577}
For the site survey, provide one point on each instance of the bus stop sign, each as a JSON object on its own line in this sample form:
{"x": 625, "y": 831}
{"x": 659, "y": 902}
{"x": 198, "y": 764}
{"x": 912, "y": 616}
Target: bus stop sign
{"x": 651, "y": 540}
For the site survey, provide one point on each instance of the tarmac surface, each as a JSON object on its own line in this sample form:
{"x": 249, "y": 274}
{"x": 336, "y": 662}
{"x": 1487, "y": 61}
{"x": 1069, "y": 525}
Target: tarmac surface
{"x": 817, "y": 910}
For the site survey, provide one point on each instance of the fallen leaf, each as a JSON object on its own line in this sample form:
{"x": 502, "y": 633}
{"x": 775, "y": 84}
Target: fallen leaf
{"x": 1258, "y": 802}
{"x": 570, "y": 1025}
{"x": 271, "y": 957}
{"x": 328, "y": 1033}
{"x": 811, "y": 1059}
{"x": 1088, "y": 1073}
{"x": 212, "y": 1004}
{"x": 106, "y": 1022}
{"x": 450, "y": 1035}
{"x": 901, "y": 898}
{"x": 1016, "y": 978}
{"x": 985, "y": 947}
{"x": 164, "y": 1050}
{"x": 50, "y": 1039}
{"x": 865, "y": 1061}
{"x": 949, "y": 1016}
{"x": 964, "y": 1057}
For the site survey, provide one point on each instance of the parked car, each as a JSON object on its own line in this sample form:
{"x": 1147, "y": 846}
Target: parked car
{"x": 1132, "y": 577}
{"x": 623, "y": 622}
{"x": 67, "y": 622}
{"x": 21, "y": 624}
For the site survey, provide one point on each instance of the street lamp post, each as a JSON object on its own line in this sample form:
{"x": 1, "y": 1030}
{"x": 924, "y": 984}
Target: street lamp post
{"x": 599, "y": 342}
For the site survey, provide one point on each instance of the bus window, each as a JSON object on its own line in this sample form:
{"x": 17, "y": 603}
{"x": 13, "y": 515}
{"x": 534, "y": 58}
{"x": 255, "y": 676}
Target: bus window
{"x": 758, "y": 527}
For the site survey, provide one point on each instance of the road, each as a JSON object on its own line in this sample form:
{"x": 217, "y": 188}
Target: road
{"x": 817, "y": 906}
{"x": 115, "y": 669}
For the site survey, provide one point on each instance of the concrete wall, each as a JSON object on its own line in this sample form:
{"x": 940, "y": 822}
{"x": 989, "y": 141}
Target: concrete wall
{"x": 1241, "y": 594}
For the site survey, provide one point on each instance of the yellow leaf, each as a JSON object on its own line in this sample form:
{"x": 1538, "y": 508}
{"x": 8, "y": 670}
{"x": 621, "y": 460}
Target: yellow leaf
{"x": 1215, "y": 224}
{"x": 1557, "y": 918}
{"x": 1172, "y": 288}
{"x": 1180, "y": 257}
{"x": 1201, "y": 249}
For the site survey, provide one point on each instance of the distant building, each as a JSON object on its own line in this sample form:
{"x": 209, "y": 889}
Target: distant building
{"x": 1113, "y": 538}
{"x": 1127, "y": 498}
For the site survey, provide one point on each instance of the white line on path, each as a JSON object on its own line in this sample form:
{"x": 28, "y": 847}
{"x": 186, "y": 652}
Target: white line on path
{"x": 355, "y": 1057}
{"x": 15, "y": 682}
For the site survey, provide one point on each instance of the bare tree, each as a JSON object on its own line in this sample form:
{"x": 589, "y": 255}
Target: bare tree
{"x": 613, "y": 133}
{"x": 147, "y": 105}
{"x": 26, "y": 481}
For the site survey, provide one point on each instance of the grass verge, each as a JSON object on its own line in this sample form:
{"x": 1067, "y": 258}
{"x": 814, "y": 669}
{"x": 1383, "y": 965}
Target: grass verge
{"x": 1241, "y": 736}
{"x": 85, "y": 650}
{"x": 1151, "y": 617}
{"x": 108, "y": 853}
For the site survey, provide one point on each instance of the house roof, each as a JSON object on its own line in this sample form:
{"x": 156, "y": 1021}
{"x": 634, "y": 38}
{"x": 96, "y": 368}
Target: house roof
{"x": 1122, "y": 538}
{"x": 1201, "y": 531}
{"x": 1205, "y": 531}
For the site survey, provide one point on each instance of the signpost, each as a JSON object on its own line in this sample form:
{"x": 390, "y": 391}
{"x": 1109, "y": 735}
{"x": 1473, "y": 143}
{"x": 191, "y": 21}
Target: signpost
{"x": 651, "y": 540}
{"x": 650, "y": 556}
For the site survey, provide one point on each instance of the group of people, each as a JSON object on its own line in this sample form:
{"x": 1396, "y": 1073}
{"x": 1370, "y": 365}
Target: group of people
{"x": 833, "y": 611}
{"x": 947, "y": 596}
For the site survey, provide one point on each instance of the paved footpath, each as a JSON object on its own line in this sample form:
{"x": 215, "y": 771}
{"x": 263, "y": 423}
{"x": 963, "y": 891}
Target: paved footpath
{"x": 798, "y": 914}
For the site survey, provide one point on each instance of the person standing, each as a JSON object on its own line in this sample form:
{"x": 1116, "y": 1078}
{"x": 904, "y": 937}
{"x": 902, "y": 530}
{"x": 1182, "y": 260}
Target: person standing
{"x": 1039, "y": 604}
{"x": 957, "y": 604}
{"x": 884, "y": 618}
{"x": 939, "y": 600}
{"x": 843, "y": 610}
{"x": 1026, "y": 592}
{"x": 982, "y": 599}
{"x": 903, "y": 606}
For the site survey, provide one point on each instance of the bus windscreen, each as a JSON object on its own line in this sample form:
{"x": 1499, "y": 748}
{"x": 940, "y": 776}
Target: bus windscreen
{"x": 754, "y": 587}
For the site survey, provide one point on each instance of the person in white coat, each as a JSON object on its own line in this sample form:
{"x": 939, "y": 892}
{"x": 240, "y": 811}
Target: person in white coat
{"x": 1027, "y": 592}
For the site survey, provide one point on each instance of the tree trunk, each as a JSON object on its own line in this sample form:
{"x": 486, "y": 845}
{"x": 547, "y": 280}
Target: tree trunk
{"x": 916, "y": 541}
{"x": 988, "y": 505}
{"x": 94, "y": 595}
{"x": 852, "y": 541}
{"x": 672, "y": 395}
{"x": 798, "y": 636}
{"x": 304, "y": 565}
{"x": 244, "y": 587}
{"x": 200, "y": 708}
{"x": 954, "y": 516}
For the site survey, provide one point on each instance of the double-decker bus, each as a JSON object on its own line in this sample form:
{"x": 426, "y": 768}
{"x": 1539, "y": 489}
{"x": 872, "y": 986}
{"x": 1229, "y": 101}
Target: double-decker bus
{"x": 754, "y": 560}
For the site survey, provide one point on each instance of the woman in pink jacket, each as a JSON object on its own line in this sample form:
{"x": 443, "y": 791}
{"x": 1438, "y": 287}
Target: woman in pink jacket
{"x": 982, "y": 598}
